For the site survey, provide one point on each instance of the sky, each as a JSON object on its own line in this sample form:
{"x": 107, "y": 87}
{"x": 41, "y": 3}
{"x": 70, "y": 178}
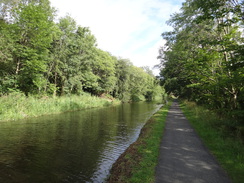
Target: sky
{"x": 130, "y": 29}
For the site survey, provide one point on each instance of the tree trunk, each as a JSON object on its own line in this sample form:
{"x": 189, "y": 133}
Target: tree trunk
{"x": 17, "y": 66}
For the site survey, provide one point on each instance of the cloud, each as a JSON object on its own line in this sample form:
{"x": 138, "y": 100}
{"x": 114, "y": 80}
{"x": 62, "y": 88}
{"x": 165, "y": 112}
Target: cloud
{"x": 127, "y": 28}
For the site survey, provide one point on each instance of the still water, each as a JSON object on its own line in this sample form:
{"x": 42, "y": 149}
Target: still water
{"x": 73, "y": 147}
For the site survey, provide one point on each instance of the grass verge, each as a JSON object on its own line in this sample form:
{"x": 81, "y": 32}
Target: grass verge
{"x": 18, "y": 106}
{"x": 137, "y": 164}
{"x": 223, "y": 141}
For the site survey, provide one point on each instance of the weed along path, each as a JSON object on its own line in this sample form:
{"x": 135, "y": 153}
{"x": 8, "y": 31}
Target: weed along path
{"x": 183, "y": 157}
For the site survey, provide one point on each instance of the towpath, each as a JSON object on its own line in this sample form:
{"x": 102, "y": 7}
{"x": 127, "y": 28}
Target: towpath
{"x": 183, "y": 157}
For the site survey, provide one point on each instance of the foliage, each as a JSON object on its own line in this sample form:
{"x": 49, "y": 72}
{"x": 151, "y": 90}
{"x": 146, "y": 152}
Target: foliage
{"x": 40, "y": 56}
{"x": 203, "y": 57}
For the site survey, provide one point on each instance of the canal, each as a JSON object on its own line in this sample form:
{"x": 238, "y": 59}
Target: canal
{"x": 72, "y": 147}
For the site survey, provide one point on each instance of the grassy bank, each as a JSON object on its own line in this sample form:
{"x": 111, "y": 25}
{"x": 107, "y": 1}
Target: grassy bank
{"x": 221, "y": 138}
{"x": 18, "y": 106}
{"x": 138, "y": 162}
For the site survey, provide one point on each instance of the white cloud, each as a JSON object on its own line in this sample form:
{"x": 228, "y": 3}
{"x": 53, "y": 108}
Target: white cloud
{"x": 127, "y": 28}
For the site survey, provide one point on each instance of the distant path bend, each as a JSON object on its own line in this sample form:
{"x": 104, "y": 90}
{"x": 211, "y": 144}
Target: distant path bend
{"x": 183, "y": 157}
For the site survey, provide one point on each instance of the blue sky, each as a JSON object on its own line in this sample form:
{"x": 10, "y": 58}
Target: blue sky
{"x": 126, "y": 28}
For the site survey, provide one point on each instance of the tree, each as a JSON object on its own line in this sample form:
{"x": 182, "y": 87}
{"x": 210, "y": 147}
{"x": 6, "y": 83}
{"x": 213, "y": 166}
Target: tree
{"x": 8, "y": 80}
{"x": 41, "y": 57}
{"x": 27, "y": 27}
{"x": 203, "y": 60}
{"x": 121, "y": 90}
{"x": 104, "y": 69}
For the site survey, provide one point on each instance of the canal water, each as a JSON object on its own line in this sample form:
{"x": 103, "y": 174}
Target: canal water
{"x": 72, "y": 147}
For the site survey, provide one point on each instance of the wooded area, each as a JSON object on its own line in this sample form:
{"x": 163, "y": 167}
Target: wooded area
{"x": 41, "y": 56}
{"x": 203, "y": 59}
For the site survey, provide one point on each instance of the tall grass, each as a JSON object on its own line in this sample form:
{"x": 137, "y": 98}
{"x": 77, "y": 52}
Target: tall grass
{"x": 18, "y": 106}
{"x": 221, "y": 136}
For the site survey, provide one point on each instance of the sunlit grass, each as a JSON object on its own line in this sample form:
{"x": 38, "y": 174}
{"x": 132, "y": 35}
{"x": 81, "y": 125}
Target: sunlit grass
{"x": 18, "y": 106}
{"x": 219, "y": 137}
{"x": 149, "y": 149}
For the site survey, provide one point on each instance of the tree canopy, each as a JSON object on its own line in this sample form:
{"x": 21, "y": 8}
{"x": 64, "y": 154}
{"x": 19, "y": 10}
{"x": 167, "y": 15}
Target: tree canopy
{"x": 40, "y": 56}
{"x": 203, "y": 58}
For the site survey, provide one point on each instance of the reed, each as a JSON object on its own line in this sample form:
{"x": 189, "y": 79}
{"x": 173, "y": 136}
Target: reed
{"x": 18, "y": 106}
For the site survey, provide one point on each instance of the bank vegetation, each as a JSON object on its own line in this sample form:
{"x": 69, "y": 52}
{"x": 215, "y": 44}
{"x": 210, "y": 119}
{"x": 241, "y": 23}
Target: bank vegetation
{"x": 137, "y": 164}
{"x": 45, "y": 57}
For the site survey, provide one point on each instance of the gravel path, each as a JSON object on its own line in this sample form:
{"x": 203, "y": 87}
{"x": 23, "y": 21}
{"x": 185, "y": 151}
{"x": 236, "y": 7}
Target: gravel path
{"x": 183, "y": 157}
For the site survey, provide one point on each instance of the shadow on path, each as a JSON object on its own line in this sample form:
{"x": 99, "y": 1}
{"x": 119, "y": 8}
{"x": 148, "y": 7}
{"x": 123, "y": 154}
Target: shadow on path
{"x": 183, "y": 157}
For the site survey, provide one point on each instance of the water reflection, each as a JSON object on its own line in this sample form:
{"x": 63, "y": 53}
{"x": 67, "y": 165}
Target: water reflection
{"x": 71, "y": 147}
